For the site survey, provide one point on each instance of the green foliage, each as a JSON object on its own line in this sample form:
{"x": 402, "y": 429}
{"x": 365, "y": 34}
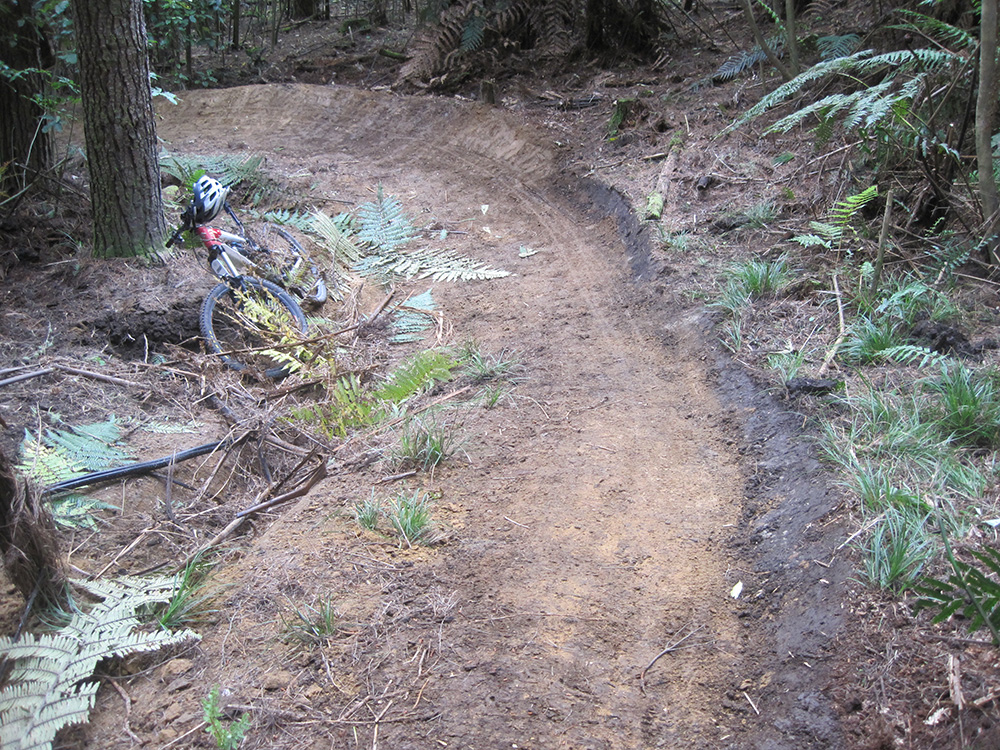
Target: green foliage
{"x": 383, "y": 223}
{"x": 246, "y": 172}
{"x": 743, "y": 61}
{"x": 968, "y": 406}
{"x": 173, "y": 27}
{"x": 832, "y": 233}
{"x": 410, "y": 516}
{"x": 50, "y": 681}
{"x": 972, "y": 591}
{"x": 228, "y": 735}
{"x": 424, "y": 444}
{"x": 897, "y": 550}
{"x": 367, "y": 512}
{"x": 869, "y": 339}
{"x": 414, "y": 317}
{"x": 192, "y": 597}
{"x": 69, "y": 453}
{"x": 416, "y": 374}
{"x": 312, "y": 626}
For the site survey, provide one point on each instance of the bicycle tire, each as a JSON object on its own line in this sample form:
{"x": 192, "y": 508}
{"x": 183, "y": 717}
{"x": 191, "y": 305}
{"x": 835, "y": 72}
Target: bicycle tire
{"x": 232, "y": 327}
{"x": 289, "y": 266}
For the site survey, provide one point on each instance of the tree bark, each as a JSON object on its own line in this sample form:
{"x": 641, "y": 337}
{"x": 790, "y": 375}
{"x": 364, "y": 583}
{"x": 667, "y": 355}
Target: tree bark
{"x": 120, "y": 127}
{"x": 25, "y": 147}
{"x": 986, "y": 106}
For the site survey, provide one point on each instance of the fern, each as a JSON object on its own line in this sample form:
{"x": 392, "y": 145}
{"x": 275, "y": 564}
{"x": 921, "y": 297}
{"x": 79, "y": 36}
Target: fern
{"x": 416, "y": 316}
{"x": 383, "y": 224}
{"x": 420, "y": 371}
{"x": 290, "y": 218}
{"x": 909, "y": 354}
{"x": 229, "y": 170}
{"x": 864, "y": 107}
{"x": 49, "y": 685}
{"x": 736, "y": 64}
{"x": 473, "y": 32}
{"x": 842, "y": 45}
{"x": 972, "y": 591}
{"x": 429, "y": 263}
{"x": 72, "y": 452}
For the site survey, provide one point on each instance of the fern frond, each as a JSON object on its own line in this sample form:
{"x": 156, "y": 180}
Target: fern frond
{"x": 417, "y": 373}
{"x": 383, "y": 224}
{"x": 736, "y": 64}
{"x": 290, "y": 218}
{"x": 412, "y": 318}
{"x": 909, "y": 354}
{"x": 935, "y": 28}
{"x": 49, "y": 683}
{"x": 429, "y": 263}
{"x": 337, "y": 237}
{"x": 844, "y": 211}
{"x": 473, "y": 33}
{"x": 841, "y": 45}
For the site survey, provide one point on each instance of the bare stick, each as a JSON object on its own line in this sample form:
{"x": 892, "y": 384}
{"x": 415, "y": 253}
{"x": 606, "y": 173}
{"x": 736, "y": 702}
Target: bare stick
{"x": 843, "y": 330}
{"x": 27, "y": 376}
{"x": 168, "y": 495}
{"x": 669, "y": 649}
{"x": 98, "y": 376}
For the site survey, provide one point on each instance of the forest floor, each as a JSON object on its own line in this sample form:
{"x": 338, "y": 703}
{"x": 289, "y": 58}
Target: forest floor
{"x": 639, "y": 547}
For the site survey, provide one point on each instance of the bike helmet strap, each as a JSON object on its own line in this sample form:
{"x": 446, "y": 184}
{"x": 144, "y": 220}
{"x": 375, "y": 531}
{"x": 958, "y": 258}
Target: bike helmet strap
{"x": 209, "y": 198}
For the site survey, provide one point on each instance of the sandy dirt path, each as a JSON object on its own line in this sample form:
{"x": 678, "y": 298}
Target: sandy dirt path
{"x": 592, "y": 514}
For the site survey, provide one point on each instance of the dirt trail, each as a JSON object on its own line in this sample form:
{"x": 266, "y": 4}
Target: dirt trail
{"x": 592, "y": 517}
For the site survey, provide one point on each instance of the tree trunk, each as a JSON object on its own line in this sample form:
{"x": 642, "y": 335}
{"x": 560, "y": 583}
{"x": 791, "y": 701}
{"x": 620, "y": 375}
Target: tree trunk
{"x": 986, "y": 106}
{"x": 120, "y": 129}
{"x": 25, "y": 147}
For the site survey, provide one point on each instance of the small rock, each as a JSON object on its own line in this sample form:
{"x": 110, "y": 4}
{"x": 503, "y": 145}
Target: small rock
{"x": 277, "y": 680}
{"x": 175, "y": 667}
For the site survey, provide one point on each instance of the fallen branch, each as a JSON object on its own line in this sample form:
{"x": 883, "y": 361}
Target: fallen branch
{"x": 303, "y": 489}
{"x": 98, "y": 376}
{"x": 27, "y": 376}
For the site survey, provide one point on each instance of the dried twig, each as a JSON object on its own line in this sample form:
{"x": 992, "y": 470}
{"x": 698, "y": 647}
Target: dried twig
{"x": 828, "y": 360}
{"x": 669, "y": 649}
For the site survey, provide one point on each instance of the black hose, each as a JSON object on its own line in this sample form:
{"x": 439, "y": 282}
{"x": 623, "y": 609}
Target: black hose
{"x": 140, "y": 468}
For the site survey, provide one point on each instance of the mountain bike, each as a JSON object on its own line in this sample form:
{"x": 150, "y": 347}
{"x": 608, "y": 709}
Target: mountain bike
{"x": 245, "y": 319}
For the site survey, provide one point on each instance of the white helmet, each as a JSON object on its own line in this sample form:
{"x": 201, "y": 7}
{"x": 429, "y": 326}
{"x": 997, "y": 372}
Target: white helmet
{"x": 209, "y": 198}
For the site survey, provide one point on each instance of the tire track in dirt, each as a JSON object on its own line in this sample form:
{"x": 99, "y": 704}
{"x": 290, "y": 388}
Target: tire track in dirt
{"x": 594, "y": 513}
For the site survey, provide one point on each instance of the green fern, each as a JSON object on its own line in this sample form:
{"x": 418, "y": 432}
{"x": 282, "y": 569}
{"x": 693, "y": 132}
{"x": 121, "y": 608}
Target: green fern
{"x": 742, "y": 61}
{"x": 413, "y": 318}
{"x": 229, "y": 170}
{"x": 841, "y": 45}
{"x": 440, "y": 264}
{"x": 383, "y": 224}
{"x": 415, "y": 374}
{"x": 473, "y": 33}
{"x": 289, "y": 218}
{"x": 50, "y": 681}
{"x": 72, "y": 452}
{"x": 867, "y": 106}
{"x": 972, "y": 590}
{"x": 909, "y": 354}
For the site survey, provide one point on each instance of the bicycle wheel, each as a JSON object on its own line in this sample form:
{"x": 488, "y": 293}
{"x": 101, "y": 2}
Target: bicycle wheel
{"x": 248, "y": 322}
{"x": 284, "y": 262}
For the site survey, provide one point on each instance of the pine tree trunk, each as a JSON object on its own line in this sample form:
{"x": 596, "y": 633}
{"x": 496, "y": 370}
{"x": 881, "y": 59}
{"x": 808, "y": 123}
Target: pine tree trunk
{"x": 24, "y": 146}
{"x": 120, "y": 128}
{"x": 986, "y": 106}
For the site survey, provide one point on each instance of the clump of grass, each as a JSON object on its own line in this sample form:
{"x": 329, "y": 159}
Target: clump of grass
{"x": 897, "y": 550}
{"x": 968, "y": 406}
{"x": 870, "y": 338}
{"x": 424, "y": 444}
{"x": 483, "y": 367}
{"x": 311, "y": 626}
{"x": 410, "y": 516}
{"x": 367, "y": 512}
{"x": 192, "y": 598}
